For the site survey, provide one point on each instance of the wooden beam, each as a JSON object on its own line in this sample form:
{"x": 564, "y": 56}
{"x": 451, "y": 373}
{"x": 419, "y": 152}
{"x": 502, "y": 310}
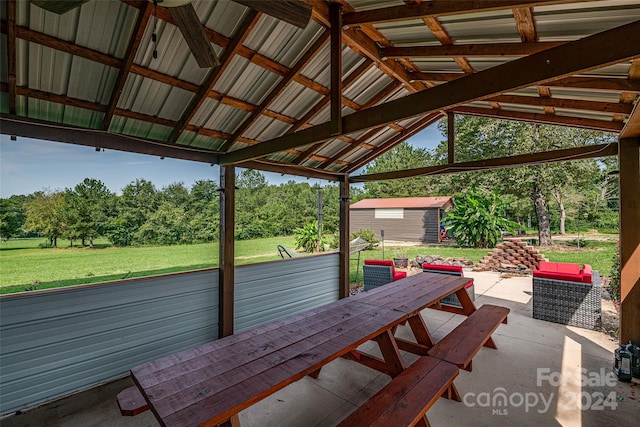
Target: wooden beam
{"x": 451, "y": 137}
{"x": 48, "y": 131}
{"x": 291, "y": 74}
{"x": 426, "y": 121}
{"x": 632, "y": 126}
{"x": 345, "y": 202}
{"x": 437, "y": 8}
{"x": 579, "y": 153}
{"x": 526, "y": 24}
{"x": 288, "y": 169}
{"x": 60, "y": 99}
{"x": 604, "y": 49}
{"x": 226, "y": 265}
{"x": 335, "y": 19}
{"x": 629, "y": 158}
{"x": 214, "y": 75}
{"x": 132, "y": 48}
{"x": 11, "y": 54}
{"x": 485, "y": 49}
{"x": 550, "y": 119}
{"x": 571, "y": 104}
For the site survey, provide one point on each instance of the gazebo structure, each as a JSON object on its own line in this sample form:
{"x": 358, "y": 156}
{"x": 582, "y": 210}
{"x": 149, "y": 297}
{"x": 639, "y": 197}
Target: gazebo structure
{"x": 319, "y": 89}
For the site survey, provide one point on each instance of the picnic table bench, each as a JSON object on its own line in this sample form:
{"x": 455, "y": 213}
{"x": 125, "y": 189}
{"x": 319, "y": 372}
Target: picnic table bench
{"x": 212, "y": 383}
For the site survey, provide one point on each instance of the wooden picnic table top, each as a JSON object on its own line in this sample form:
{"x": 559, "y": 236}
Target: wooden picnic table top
{"x": 213, "y": 382}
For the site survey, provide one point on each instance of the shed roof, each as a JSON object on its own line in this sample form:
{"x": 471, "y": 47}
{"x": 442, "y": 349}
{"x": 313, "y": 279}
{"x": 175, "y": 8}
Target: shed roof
{"x": 404, "y": 202}
{"x": 90, "y": 77}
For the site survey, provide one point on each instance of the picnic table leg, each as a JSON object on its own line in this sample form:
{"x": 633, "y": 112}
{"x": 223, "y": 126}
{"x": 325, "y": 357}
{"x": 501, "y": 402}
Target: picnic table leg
{"x": 423, "y": 422}
{"x": 469, "y": 307}
{"x": 233, "y": 421}
{"x": 390, "y": 353}
{"x": 421, "y": 333}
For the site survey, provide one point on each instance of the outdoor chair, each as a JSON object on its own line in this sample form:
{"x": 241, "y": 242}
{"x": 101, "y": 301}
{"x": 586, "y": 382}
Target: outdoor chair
{"x": 376, "y": 275}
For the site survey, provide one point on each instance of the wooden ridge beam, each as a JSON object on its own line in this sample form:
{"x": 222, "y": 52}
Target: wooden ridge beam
{"x": 485, "y": 49}
{"x": 335, "y": 68}
{"x": 49, "y": 131}
{"x": 288, "y": 169}
{"x": 132, "y": 48}
{"x": 292, "y": 73}
{"x": 437, "y": 8}
{"x": 631, "y": 129}
{"x": 604, "y": 48}
{"x": 572, "y": 104}
{"x": 426, "y": 121}
{"x": 214, "y": 75}
{"x": 549, "y": 119}
{"x": 577, "y": 153}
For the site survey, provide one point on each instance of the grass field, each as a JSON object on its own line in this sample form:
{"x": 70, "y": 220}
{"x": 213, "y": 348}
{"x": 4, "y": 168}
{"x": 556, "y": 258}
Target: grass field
{"x": 24, "y": 266}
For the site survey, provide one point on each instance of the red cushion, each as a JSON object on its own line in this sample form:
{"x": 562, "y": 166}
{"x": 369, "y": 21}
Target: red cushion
{"x": 548, "y": 266}
{"x": 568, "y": 268}
{"x": 455, "y": 268}
{"x": 399, "y": 275}
{"x": 587, "y": 273}
{"x": 386, "y": 262}
{"x": 557, "y": 275}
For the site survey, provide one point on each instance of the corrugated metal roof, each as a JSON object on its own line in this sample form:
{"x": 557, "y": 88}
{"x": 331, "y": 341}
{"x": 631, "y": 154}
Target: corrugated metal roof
{"x": 260, "y": 64}
{"x": 403, "y": 202}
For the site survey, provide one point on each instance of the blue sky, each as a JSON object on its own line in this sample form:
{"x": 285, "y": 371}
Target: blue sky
{"x": 29, "y": 165}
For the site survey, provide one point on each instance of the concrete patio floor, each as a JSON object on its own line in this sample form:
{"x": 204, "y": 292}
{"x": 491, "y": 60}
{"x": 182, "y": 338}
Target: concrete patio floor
{"x": 542, "y": 374}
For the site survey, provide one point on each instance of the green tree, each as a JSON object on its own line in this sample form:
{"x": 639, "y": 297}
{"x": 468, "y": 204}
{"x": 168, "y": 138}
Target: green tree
{"x": 46, "y": 215}
{"x": 139, "y": 200}
{"x": 12, "y": 216}
{"x": 402, "y": 156}
{"x": 478, "y": 220}
{"x": 88, "y": 206}
{"x": 204, "y": 211}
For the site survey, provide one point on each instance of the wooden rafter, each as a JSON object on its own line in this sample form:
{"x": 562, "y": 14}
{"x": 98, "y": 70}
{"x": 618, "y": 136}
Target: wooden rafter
{"x": 214, "y": 75}
{"x": 436, "y": 8}
{"x": 537, "y": 68}
{"x": 632, "y": 127}
{"x": 335, "y": 19}
{"x": 132, "y": 48}
{"x": 11, "y": 54}
{"x": 292, "y": 73}
{"x": 551, "y": 119}
{"x": 485, "y": 49}
{"x": 578, "y": 153}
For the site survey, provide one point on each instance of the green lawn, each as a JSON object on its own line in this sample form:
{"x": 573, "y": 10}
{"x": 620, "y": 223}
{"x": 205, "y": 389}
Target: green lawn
{"x": 24, "y": 266}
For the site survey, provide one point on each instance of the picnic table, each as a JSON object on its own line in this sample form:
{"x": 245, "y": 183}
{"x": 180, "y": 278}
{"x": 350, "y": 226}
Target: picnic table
{"x": 212, "y": 383}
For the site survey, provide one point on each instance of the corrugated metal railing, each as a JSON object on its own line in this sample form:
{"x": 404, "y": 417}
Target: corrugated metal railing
{"x": 273, "y": 290}
{"x": 54, "y": 343}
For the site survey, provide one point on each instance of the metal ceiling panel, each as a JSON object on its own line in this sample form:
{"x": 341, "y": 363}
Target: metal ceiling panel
{"x": 140, "y": 129}
{"x": 295, "y": 100}
{"x": 361, "y": 5}
{"x": 484, "y": 63}
{"x": 482, "y": 27}
{"x": 407, "y": 33}
{"x": 222, "y": 16}
{"x": 368, "y": 86}
{"x": 245, "y": 80}
{"x": 437, "y": 64}
{"x": 154, "y": 98}
{"x": 266, "y": 128}
{"x": 572, "y": 21}
{"x": 282, "y": 41}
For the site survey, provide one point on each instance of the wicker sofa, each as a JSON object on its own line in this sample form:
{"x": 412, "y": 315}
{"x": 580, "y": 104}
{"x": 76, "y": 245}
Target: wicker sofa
{"x": 567, "y": 294}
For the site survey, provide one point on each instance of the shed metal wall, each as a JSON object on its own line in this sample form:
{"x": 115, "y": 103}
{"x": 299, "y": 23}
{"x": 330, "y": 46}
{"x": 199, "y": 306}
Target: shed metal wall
{"x": 57, "y": 343}
{"x": 418, "y": 225}
{"x": 270, "y": 291}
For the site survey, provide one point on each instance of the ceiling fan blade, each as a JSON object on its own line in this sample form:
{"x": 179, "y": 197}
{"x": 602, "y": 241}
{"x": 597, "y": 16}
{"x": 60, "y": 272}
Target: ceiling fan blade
{"x": 292, "y": 11}
{"x": 186, "y": 18}
{"x": 58, "y": 6}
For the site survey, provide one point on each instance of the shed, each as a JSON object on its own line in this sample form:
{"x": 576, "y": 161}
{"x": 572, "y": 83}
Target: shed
{"x": 413, "y": 219}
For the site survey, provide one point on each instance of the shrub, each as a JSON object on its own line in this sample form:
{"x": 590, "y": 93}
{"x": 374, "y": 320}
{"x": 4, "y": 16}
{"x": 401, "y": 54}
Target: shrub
{"x": 479, "y": 221}
{"x": 307, "y": 237}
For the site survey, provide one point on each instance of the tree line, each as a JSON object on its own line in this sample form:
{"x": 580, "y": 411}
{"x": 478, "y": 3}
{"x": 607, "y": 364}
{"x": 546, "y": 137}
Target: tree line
{"x": 556, "y": 197}
{"x": 145, "y": 215}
